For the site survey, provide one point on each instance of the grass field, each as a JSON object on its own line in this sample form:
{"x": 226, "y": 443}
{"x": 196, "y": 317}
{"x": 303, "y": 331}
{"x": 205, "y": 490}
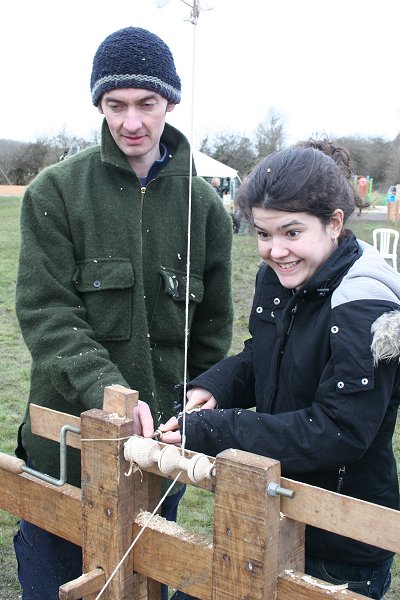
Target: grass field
{"x": 197, "y": 509}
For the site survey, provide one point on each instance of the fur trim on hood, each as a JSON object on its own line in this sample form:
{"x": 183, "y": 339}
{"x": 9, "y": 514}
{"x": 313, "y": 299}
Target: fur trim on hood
{"x": 386, "y": 337}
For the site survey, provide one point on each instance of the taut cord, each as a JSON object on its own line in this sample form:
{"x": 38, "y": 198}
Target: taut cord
{"x": 187, "y": 297}
{"x": 193, "y": 19}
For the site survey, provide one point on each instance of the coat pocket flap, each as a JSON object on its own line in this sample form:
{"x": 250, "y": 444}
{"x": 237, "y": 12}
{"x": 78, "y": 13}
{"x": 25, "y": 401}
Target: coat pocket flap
{"x": 175, "y": 285}
{"x": 103, "y": 274}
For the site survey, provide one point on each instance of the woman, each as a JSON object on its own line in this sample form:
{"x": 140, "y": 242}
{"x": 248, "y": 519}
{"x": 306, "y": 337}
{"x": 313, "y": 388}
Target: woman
{"x": 322, "y": 364}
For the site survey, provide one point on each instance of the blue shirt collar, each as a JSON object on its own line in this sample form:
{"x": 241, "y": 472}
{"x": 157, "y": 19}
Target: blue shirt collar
{"x": 157, "y": 165}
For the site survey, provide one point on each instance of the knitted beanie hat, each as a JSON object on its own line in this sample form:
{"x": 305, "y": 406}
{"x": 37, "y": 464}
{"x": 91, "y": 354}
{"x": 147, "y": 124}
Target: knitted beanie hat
{"x": 134, "y": 58}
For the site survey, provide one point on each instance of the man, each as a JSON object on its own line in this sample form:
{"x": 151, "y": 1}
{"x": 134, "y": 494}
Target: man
{"x": 102, "y": 275}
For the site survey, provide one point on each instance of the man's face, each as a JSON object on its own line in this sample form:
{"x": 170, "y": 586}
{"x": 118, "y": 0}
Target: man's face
{"x": 136, "y": 119}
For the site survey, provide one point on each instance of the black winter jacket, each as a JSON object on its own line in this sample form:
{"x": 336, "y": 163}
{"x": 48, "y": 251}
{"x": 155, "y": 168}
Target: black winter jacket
{"x": 322, "y": 370}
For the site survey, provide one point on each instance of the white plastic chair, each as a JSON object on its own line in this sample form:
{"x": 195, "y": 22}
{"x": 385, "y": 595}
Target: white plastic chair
{"x": 385, "y": 241}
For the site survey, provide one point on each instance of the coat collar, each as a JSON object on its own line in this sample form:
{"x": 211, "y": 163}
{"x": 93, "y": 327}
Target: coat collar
{"x": 176, "y": 143}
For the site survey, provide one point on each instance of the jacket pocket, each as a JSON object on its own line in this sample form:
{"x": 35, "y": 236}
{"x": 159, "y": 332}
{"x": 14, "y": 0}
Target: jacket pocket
{"x": 106, "y": 286}
{"x": 167, "y": 324}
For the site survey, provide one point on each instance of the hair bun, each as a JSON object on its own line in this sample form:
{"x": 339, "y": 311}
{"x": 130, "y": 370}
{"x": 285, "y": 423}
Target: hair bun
{"x": 340, "y": 155}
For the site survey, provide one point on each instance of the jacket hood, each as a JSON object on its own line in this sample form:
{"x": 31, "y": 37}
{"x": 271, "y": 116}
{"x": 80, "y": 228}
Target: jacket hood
{"x": 386, "y": 337}
{"x": 375, "y": 280}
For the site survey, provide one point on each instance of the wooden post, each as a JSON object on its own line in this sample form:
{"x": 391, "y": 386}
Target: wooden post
{"x": 392, "y": 210}
{"x": 120, "y": 400}
{"x": 111, "y": 501}
{"x": 246, "y": 527}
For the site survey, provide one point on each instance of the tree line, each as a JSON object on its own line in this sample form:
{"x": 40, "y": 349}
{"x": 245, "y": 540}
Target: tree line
{"x": 374, "y": 157}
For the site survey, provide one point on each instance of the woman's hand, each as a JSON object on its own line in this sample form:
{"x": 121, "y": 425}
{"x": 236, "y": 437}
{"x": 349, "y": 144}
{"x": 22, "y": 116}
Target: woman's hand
{"x": 199, "y": 398}
{"x": 171, "y": 433}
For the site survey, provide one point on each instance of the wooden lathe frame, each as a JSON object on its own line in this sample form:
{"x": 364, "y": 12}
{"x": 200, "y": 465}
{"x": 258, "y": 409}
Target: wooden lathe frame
{"x": 257, "y": 550}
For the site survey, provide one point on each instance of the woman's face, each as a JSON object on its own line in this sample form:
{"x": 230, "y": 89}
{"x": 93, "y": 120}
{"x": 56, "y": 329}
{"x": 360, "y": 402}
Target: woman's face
{"x": 295, "y": 245}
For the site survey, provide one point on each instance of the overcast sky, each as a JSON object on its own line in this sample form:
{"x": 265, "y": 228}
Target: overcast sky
{"x": 327, "y": 66}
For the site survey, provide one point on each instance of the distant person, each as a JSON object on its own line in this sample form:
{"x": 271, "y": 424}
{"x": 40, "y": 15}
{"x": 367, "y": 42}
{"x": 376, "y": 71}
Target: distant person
{"x": 216, "y": 183}
{"x": 362, "y": 185}
{"x": 102, "y": 274}
{"x": 322, "y": 363}
{"x": 236, "y": 219}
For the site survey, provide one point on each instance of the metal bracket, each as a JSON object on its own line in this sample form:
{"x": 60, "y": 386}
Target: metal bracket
{"x": 63, "y": 459}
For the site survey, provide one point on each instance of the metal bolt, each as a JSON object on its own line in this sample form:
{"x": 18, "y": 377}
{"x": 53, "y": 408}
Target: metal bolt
{"x": 274, "y": 489}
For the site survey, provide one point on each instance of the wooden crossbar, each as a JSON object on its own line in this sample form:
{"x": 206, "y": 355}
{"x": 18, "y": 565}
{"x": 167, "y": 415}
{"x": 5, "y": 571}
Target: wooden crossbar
{"x": 350, "y": 517}
{"x": 257, "y": 549}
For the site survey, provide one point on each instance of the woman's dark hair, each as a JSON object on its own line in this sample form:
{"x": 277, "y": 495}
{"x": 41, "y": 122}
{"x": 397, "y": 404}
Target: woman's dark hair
{"x": 311, "y": 177}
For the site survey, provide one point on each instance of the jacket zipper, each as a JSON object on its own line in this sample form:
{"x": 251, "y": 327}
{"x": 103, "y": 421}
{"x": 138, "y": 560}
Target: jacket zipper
{"x": 279, "y": 358}
{"x": 142, "y": 193}
{"x": 289, "y": 329}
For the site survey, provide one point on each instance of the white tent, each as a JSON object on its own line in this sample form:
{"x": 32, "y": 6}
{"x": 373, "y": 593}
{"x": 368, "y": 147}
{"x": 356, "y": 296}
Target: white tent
{"x": 209, "y": 167}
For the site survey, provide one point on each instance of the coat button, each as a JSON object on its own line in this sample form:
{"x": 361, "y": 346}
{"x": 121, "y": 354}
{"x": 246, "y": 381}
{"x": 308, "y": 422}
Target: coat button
{"x": 364, "y": 381}
{"x": 340, "y": 384}
{"x": 334, "y": 329}
{"x": 276, "y": 301}
{"x": 259, "y": 309}
{"x": 97, "y": 283}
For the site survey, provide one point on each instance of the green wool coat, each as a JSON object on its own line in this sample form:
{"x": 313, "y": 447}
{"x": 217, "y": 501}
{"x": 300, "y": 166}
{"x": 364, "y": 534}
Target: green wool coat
{"x": 102, "y": 281}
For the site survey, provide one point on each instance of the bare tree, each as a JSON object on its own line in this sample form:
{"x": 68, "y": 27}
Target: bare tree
{"x": 20, "y": 162}
{"x": 9, "y": 151}
{"x": 232, "y": 149}
{"x": 270, "y": 135}
{"x": 392, "y": 170}
{"x": 28, "y": 163}
{"x": 370, "y": 156}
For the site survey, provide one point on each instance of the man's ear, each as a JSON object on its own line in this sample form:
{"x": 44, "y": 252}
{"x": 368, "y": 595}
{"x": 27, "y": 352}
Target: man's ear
{"x": 170, "y": 107}
{"x": 100, "y": 109}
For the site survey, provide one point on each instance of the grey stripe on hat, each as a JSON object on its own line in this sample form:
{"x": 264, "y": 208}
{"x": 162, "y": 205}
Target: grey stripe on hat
{"x": 138, "y": 81}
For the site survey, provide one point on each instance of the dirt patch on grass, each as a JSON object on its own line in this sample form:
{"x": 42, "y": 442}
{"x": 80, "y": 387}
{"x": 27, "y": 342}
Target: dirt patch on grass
{"x": 12, "y": 190}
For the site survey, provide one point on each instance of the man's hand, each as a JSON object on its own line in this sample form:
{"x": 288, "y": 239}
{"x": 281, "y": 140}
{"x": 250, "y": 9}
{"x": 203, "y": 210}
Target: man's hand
{"x": 142, "y": 420}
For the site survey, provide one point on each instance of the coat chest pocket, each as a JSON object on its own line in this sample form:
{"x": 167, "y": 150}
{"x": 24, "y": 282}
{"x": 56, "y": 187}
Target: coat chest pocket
{"x": 168, "y": 320}
{"x": 106, "y": 286}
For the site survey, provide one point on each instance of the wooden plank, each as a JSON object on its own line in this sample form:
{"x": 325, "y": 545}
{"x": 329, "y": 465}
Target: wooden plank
{"x": 291, "y": 544}
{"x": 84, "y": 585}
{"x": 356, "y": 519}
{"x": 169, "y": 553}
{"x": 56, "y": 509}
{"x": 294, "y": 585}
{"x": 183, "y": 559}
{"x": 111, "y": 500}
{"x": 48, "y": 423}
{"x": 246, "y": 527}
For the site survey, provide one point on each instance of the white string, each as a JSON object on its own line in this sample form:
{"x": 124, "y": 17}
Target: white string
{"x": 105, "y": 439}
{"x": 191, "y": 139}
{"x": 193, "y": 20}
